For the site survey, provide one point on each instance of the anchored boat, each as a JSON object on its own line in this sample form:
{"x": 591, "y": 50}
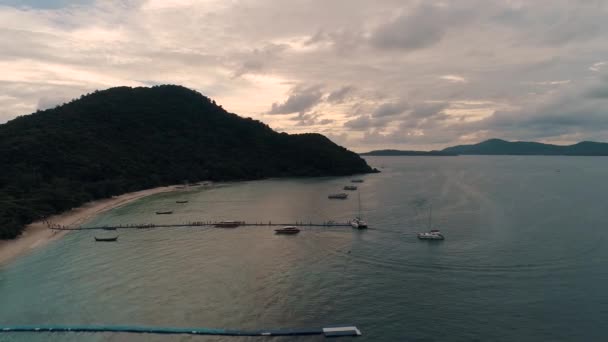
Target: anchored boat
{"x": 287, "y": 230}
{"x": 350, "y": 187}
{"x": 166, "y": 212}
{"x": 358, "y": 222}
{"x": 228, "y": 224}
{"x": 181, "y": 202}
{"x": 338, "y": 196}
{"x": 432, "y": 234}
{"x": 106, "y": 239}
{"x": 357, "y": 180}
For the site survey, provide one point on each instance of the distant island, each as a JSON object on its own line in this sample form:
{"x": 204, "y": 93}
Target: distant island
{"x": 126, "y": 139}
{"x": 503, "y": 147}
{"x": 407, "y": 153}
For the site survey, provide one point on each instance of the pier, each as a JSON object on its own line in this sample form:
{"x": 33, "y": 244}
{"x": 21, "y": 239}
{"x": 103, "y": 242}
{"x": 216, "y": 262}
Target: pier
{"x": 332, "y": 331}
{"x": 199, "y": 224}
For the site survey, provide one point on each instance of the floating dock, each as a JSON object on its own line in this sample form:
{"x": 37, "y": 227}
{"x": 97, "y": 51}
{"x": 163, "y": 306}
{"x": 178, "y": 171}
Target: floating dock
{"x": 333, "y": 331}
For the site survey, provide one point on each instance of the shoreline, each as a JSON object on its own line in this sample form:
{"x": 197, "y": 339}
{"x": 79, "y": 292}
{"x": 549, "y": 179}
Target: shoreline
{"x": 36, "y": 234}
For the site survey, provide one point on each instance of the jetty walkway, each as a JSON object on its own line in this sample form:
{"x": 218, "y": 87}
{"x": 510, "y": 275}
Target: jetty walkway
{"x": 199, "y": 224}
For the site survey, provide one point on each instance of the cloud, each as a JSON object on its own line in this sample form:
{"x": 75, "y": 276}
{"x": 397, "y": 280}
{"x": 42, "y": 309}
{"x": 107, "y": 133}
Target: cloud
{"x": 51, "y": 102}
{"x": 453, "y": 78}
{"x": 258, "y": 60}
{"x": 362, "y": 122}
{"x": 597, "y": 66}
{"x": 390, "y": 109}
{"x": 339, "y": 95}
{"x": 419, "y": 28}
{"x": 300, "y": 100}
{"x": 394, "y": 73}
{"x": 425, "y": 110}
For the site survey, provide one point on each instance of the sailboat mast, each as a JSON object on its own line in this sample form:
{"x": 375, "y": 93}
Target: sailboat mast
{"x": 359, "y": 193}
{"x": 430, "y": 215}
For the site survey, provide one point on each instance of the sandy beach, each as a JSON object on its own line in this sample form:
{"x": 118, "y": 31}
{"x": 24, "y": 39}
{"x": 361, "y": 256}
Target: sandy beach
{"x": 37, "y": 234}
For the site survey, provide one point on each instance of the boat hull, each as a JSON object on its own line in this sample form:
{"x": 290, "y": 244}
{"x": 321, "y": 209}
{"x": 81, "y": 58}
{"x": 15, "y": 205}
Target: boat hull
{"x": 112, "y": 239}
{"x": 286, "y": 233}
{"x": 430, "y": 237}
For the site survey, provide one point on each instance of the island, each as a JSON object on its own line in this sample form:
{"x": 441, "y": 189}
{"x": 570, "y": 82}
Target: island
{"x": 407, "y": 153}
{"x": 503, "y": 147}
{"x": 125, "y": 139}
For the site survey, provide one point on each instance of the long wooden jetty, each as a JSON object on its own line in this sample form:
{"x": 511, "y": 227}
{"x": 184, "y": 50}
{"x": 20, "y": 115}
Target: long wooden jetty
{"x": 198, "y": 224}
{"x": 332, "y": 331}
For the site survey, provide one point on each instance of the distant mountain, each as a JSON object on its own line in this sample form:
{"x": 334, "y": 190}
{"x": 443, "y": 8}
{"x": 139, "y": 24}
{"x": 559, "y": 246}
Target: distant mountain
{"x": 126, "y": 139}
{"x": 503, "y": 147}
{"x": 406, "y": 153}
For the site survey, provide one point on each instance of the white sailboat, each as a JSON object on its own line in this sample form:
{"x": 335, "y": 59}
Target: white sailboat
{"x": 432, "y": 234}
{"x": 358, "y": 222}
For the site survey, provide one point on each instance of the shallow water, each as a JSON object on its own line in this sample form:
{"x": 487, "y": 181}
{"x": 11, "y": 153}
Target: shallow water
{"x": 524, "y": 258}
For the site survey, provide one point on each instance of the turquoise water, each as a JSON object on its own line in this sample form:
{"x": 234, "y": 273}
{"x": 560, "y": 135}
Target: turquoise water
{"x": 524, "y": 258}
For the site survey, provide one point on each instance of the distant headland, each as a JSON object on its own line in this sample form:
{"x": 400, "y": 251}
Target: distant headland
{"x": 503, "y": 147}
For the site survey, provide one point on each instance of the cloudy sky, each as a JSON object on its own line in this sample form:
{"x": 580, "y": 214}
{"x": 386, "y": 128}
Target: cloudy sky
{"x": 368, "y": 74}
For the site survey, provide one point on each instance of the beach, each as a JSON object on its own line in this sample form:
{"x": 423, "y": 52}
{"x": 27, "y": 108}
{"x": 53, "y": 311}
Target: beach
{"x": 37, "y": 233}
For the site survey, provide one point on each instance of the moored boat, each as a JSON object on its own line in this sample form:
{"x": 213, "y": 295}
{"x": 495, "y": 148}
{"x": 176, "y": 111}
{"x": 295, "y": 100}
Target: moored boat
{"x": 358, "y": 222}
{"x": 338, "y": 196}
{"x": 166, "y": 212}
{"x": 433, "y": 234}
{"x": 180, "y": 202}
{"x": 350, "y": 187}
{"x": 106, "y": 239}
{"x": 357, "y": 180}
{"x": 287, "y": 230}
{"x": 228, "y": 224}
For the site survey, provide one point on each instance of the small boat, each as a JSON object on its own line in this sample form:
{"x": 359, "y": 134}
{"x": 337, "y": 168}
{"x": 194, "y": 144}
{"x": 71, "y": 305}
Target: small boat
{"x": 350, "y": 187}
{"x": 287, "y": 230}
{"x": 338, "y": 196}
{"x": 109, "y": 228}
{"x": 357, "y": 180}
{"x": 433, "y": 234}
{"x": 180, "y": 202}
{"x": 228, "y": 224}
{"x": 358, "y": 222}
{"x": 106, "y": 239}
{"x": 168, "y": 212}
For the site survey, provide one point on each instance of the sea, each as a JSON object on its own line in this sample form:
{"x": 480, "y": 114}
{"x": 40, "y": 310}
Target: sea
{"x": 525, "y": 258}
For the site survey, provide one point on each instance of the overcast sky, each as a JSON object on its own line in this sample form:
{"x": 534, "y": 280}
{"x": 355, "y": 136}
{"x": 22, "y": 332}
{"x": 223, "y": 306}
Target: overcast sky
{"x": 368, "y": 74}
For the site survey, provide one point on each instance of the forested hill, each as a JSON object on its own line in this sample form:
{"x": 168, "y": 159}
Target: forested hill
{"x": 126, "y": 139}
{"x": 503, "y": 147}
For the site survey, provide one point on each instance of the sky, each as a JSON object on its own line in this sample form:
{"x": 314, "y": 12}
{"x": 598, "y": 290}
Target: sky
{"x": 368, "y": 74}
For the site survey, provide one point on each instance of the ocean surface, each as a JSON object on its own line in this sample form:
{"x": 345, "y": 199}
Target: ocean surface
{"x": 525, "y": 258}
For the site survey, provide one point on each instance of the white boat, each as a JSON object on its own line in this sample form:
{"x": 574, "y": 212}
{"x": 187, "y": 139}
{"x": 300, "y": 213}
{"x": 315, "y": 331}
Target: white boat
{"x": 358, "y": 222}
{"x": 433, "y": 234}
